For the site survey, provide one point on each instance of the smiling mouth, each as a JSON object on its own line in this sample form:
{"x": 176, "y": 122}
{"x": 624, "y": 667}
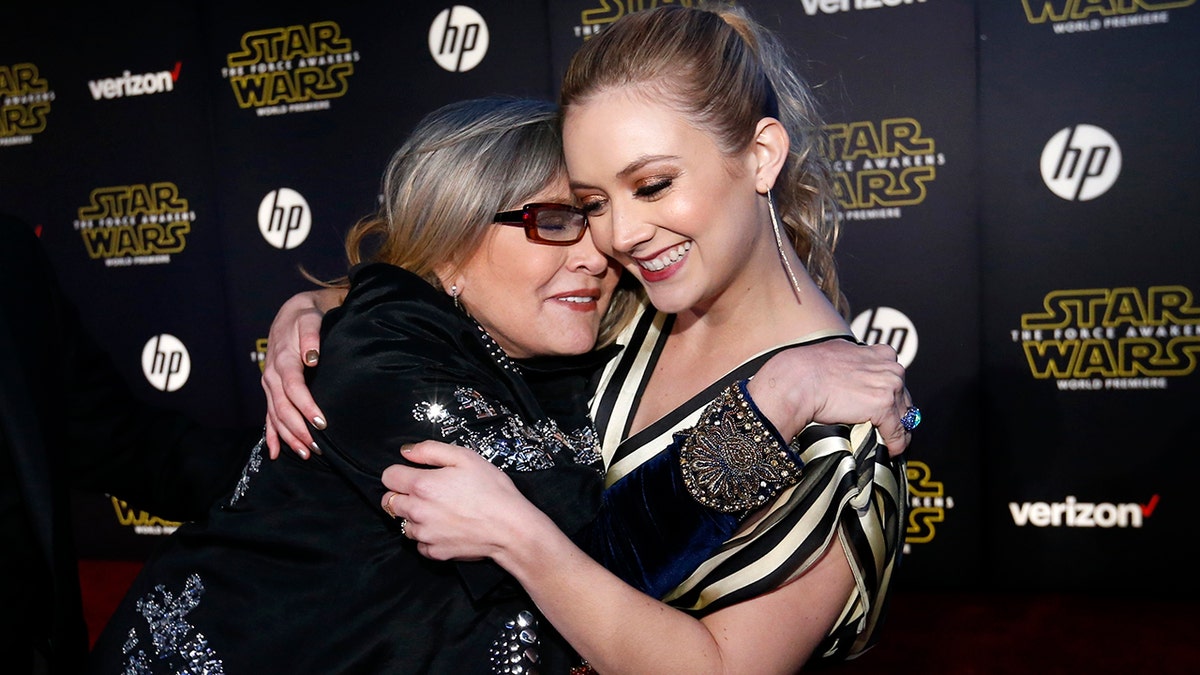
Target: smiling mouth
{"x": 666, "y": 258}
{"x": 581, "y": 298}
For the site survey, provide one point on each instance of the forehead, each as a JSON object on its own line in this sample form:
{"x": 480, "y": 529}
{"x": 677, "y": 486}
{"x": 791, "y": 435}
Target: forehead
{"x": 616, "y": 132}
{"x": 619, "y": 109}
{"x": 623, "y": 123}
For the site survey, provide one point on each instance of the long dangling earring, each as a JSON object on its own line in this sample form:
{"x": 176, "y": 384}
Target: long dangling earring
{"x": 778, "y": 229}
{"x": 454, "y": 294}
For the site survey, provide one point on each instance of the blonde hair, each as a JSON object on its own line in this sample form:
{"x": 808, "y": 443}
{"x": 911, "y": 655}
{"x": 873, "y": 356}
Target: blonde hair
{"x": 462, "y": 164}
{"x": 725, "y": 72}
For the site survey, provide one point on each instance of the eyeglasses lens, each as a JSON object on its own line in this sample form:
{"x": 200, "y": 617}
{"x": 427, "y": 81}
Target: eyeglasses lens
{"x": 559, "y": 225}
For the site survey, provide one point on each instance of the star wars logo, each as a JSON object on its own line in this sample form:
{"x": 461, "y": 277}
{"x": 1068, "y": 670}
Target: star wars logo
{"x": 1076, "y": 16}
{"x": 291, "y": 68}
{"x": 135, "y": 224}
{"x": 259, "y": 355}
{"x": 25, "y": 100}
{"x": 881, "y": 166}
{"x": 928, "y": 503}
{"x": 593, "y": 21}
{"x": 142, "y": 522}
{"x": 1119, "y": 338}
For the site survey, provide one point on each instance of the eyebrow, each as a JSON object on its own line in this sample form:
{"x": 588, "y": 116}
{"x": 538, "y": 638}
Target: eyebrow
{"x": 631, "y": 167}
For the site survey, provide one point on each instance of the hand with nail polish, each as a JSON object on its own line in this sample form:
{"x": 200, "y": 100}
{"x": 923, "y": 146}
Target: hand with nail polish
{"x": 295, "y": 331}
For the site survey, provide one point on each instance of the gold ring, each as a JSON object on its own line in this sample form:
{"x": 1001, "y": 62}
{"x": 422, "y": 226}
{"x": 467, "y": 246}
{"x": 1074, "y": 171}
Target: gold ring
{"x": 387, "y": 506}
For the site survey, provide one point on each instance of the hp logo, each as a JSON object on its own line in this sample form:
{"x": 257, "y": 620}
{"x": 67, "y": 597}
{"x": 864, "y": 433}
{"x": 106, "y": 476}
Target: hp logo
{"x": 884, "y": 325}
{"x": 165, "y": 362}
{"x": 284, "y": 218}
{"x": 458, "y": 39}
{"x": 1081, "y": 162}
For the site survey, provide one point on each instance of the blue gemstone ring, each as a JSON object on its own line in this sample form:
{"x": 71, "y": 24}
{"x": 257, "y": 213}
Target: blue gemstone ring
{"x": 911, "y": 418}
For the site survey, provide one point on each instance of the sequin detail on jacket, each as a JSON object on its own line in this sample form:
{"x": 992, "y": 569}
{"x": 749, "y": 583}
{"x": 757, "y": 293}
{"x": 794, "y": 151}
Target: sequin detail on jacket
{"x": 171, "y": 637}
{"x": 510, "y": 444}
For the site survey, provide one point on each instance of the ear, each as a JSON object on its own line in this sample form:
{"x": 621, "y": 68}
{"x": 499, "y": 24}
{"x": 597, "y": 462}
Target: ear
{"x": 448, "y": 274}
{"x": 770, "y": 149}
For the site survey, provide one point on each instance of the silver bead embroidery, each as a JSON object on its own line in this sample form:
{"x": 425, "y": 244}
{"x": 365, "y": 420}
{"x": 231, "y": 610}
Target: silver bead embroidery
{"x": 252, "y": 466}
{"x": 515, "y": 651}
{"x": 497, "y": 353}
{"x": 510, "y": 444}
{"x": 171, "y": 635}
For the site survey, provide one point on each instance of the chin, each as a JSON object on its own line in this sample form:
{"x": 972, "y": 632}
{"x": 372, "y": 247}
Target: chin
{"x": 670, "y": 303}
{"x": 570, "y": 343}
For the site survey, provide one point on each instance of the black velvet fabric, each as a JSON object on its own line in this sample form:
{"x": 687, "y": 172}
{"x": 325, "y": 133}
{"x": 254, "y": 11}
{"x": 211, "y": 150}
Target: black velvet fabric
{"x": 304, "y": 572}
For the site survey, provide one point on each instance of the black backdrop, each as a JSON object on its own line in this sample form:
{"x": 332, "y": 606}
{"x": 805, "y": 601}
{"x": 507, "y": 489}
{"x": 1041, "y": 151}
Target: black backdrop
{"x": 1020, "y": 223}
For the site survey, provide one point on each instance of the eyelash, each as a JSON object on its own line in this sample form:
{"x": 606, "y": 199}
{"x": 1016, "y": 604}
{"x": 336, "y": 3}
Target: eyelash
{"x": 654, "y": 188}
{"x": 593, "y": 207}
{"x": 650, "y": 191}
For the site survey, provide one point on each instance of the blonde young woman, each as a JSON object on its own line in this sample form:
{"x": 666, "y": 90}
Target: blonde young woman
{"x": 692, "y": 148}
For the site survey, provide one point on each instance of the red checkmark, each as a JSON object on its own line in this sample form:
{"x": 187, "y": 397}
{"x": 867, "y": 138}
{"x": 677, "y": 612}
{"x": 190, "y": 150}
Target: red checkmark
{"x": 175, "y": 73}
{"x": 1147, "y": 509}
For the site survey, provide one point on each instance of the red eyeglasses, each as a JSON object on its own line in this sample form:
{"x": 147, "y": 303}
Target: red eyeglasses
{"x": 547, "y": 223}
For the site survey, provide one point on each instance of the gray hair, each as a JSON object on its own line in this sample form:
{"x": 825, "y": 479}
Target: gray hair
{"x": 462, "y": 163}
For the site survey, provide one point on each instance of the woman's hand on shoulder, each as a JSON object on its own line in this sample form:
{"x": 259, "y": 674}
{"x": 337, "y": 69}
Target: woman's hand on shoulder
{"x": 835, "y": 382}
{"x": 292, "y": 344}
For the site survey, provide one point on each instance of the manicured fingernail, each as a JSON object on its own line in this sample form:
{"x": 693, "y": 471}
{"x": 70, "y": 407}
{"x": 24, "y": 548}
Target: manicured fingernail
{"x": 406, "y": 447}
{"x": 319, "y": 422}
{"x": 314, "y": 447}
{"x": 302, "y": 452}
{"x": 311, "y": 356}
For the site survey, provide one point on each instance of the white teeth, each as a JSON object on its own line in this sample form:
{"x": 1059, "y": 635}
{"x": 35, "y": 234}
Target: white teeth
{"x": 576, "y": 298}
{"x": 668, "y": 258}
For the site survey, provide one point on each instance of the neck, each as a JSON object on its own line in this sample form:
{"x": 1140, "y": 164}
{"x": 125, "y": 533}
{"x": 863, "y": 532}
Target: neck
{"x": 762, "y": 308}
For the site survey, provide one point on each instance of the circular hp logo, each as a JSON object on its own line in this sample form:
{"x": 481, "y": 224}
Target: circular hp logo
{"x": 284, "y": 218}
{"x": 1081, "y": 162}
{"x": 165, "y": 362}
{"x": 458, "y": 39}
{"x": 884, "y": 325}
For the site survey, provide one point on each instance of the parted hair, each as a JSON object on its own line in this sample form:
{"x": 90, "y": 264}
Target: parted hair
{"x": 724, "y": 71}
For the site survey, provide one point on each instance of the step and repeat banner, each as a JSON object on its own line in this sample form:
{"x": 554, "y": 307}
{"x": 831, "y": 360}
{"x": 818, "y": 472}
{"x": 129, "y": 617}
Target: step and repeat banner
{"x": 1090, "y": 244}
{"x": 1021, "y": 221}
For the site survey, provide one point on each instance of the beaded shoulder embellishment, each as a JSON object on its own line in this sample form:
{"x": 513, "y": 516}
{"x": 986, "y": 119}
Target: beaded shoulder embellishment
{"x": 730, "y": 460}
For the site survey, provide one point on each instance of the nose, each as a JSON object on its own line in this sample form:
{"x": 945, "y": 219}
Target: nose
{"x": 628, "y": 231}
{"x": 583, "y": 256}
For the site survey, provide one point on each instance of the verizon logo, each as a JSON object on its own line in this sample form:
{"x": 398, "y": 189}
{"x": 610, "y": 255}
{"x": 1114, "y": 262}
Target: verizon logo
{"x": 1072, "y": 513}
{"x": 129, "y": 84}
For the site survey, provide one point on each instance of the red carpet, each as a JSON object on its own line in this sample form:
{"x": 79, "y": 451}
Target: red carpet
{"x": 942, "y": 633}
{"x": 103, "y": 583}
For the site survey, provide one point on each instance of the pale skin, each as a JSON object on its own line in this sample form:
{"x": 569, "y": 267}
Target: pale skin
{"x": 720, "y": 290}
